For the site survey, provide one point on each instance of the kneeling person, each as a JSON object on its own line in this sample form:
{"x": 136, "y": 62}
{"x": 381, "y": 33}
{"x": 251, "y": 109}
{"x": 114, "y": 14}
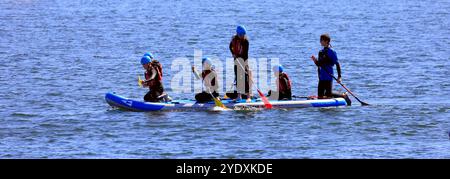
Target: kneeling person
{"x": 210, "y": 83}
{"x": 153, "y": 79}
{"x": 283, "y": 85}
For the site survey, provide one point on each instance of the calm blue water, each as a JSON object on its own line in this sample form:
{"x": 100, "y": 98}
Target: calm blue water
{"x": 59, "y": 58}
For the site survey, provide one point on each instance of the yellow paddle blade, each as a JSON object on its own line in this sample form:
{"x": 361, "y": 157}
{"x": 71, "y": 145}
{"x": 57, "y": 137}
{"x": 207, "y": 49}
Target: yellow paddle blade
{"x": 139, "y": 81}
{"x": 225, "y": 96}
{"x": 219, "y": 103}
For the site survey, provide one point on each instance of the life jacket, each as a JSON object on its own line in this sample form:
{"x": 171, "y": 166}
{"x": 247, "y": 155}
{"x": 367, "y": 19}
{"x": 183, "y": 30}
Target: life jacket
{"x": 158, "y": 67}
{"x": 236, "y": 46}
{"x": 284, "y": 83}
{"x": 206, "y": 73}
{"x": 157, "y": 81}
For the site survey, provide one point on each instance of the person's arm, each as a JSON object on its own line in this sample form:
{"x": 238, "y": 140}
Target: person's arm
{"x": 334, "y": 59}
{"x": 285, "y": 84}
{"x": 318, "y": 72}
{"x": 144, "y": 81}
{"x": 313, "y": 58}
{"x": 153, "y": 74}
{"x": 338, "y": 68}
{"x": 195, "y": 72}
{"x": 231, "y": 47}
{"x": 245, "y": 47}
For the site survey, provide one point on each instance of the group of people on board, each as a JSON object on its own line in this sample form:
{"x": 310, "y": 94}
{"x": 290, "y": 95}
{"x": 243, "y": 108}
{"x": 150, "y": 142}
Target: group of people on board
{"x": 243, "y": 81}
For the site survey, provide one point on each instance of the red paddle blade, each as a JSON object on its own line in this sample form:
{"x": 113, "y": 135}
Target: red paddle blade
{"x": 265, "y": 100}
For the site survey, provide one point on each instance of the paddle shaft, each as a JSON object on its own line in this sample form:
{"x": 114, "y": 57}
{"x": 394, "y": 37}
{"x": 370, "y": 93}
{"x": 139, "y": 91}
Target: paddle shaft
{"x": 264, "y": 99}
{"x": 362, "y": 103}
{"x": 216, "y": 101}
{"x": 248, "y": 74}
{"x": 295, "y": 96}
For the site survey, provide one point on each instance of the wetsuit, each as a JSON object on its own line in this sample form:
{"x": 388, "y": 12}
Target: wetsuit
{"x": 326, "y": 62}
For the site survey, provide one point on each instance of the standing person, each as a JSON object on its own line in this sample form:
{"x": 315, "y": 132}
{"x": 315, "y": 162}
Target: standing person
{"x": 209, "y": 78}
{"x": 325, "y": 63}
{"x": 153, "y": 79}
{"x": 239, "y": 47}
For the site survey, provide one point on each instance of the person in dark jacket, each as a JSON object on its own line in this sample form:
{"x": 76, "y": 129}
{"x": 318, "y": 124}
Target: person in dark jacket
{"x": 325, "y": 63}
{"x": 239, "y": 47}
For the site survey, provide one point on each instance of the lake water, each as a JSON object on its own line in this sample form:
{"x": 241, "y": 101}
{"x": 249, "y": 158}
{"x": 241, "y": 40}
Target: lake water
{"x": 59, "y": 58}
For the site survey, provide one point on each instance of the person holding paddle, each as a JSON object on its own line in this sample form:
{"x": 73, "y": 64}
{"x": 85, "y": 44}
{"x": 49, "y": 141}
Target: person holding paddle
{"x": 153, "y": 79}
{"x": 239, "y": 47}
{"x": 327, "y": 60}
{"x": 209, "y": 78}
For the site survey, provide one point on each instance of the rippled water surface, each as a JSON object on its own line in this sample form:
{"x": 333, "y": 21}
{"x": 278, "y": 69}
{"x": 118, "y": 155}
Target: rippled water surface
{"x": 59, "y": 58}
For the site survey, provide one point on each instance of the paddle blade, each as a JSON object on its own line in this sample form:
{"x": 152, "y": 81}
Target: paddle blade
{"x": 225, "y": 96}
{"x": 265, "y": 100}
{"x": 139, "y": 81}
{"x": 364, "y": 103}
{"x": 219, "y": 103}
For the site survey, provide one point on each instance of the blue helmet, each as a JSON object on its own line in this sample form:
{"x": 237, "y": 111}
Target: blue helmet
{"x": 145, "y": 60}
{"x": 240, "y": 30}
{"x": 278, "y": 68}
{"x": 148, "y": 54}
{"x": 207, "y": 64}
{"x": 206, "y": 60}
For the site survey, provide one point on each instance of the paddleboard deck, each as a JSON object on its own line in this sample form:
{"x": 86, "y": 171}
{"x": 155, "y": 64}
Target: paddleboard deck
{"x": 124, "y": 103}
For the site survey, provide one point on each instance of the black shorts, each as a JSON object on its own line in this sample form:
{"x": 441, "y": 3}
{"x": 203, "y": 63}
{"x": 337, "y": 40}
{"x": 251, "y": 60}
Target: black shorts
{"x": 152, "y": 96}
{"x": 205, "y": 97}
{"x": 154, "y": 93}
{"x": 325, "y": 89}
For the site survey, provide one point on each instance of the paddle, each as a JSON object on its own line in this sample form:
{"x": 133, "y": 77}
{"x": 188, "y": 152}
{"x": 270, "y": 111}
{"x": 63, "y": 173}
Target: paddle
{"x": 225, "y": 96}
{"x": 264, "y": 99}
{"x": 295, "y": 96}
{"x": 362, "y": 103}
{"x": 216, "y": 99}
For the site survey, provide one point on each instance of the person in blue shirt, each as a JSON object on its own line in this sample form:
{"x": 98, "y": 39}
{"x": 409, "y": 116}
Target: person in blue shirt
{"x": 325, "y": 63}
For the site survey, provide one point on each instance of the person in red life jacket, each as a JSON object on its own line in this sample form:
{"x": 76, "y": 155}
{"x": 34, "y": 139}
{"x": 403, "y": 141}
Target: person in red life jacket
{"x": 210, "y": 83}
{"x": 153, "y": 79}
{"x": 239, "y": 47}
{"x": 283, "y": 85}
